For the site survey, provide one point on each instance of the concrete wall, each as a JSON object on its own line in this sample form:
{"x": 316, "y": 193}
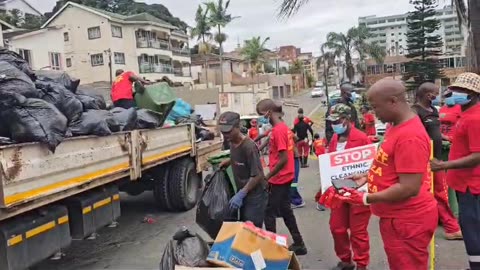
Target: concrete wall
{"x": 243, "y": 103}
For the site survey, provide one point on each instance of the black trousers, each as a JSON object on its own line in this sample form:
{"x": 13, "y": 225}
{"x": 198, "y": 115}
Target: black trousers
{"x": 125, "y": 103}
{"x": 279, "y": 206}
{"x": 253, "y": 208}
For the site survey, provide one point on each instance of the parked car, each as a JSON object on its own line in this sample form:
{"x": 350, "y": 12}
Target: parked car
{"x": 317, "y": 92}
{"x": 318, "y": 84}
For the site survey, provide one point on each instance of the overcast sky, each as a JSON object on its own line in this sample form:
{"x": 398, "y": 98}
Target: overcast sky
{"x": 307, "y": 29}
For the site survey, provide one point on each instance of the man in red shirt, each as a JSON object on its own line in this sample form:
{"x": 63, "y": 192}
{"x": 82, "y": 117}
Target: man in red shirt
{"x": 253, "y": 131}
{"x": 399, "y": 181}
{"x": 302, "y": 117}
{"x": 281, "y": 175}
{"x": 369, "y": 122}
{"x": 463, "y": 165}
{"x": 122, "y": 89}
{"x": 449, "y": 115}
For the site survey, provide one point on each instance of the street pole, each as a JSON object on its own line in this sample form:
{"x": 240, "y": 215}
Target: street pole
{"x": 109, "y": 54}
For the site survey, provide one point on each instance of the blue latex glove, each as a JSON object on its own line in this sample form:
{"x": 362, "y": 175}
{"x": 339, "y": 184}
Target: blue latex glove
{"x": 237, "y": 201}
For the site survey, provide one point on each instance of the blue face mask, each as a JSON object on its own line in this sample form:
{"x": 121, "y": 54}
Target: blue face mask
{"x": 339, "y": 128}
{"x": 436, "y": 101}
{"x": 450, "y": 101}
{"x": 353, "y": 97}
{"x": 461, "y": 98}
{"x": 263, "y": 120}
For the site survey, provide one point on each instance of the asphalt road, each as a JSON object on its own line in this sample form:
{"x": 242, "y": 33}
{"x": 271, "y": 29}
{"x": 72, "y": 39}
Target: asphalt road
{"x": 135, "y": 245}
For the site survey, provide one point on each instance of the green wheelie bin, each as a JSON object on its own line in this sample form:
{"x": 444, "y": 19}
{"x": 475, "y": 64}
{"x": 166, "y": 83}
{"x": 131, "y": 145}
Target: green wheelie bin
{"x": 215, "y": 162}
{"x": 452, "y": 197}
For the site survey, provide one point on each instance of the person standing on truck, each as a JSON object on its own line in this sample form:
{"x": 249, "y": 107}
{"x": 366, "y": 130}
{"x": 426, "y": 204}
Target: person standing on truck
{"x": 251, "y": 197}
{"x": 463, "y": 165}
{"x": 122, "y": 88}
{"x": 347, "y": 98}
{"x": 301, "y": 129}
{"x": 281, "y": 175}
{"x": 346, "y": 217}
{"x": 399, "y": 182}
{"x": 426, "y": 93}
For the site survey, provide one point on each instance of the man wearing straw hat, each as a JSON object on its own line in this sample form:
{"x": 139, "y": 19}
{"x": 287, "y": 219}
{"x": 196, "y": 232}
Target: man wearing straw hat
{"x": 463, "y": 165}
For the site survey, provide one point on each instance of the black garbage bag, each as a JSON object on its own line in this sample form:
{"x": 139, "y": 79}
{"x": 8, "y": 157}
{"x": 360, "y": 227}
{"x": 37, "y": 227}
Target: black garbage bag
{"x": 95, "y": 122}
{"x": 168, "y": 257}
{"x": 14, "y": 80}
{"x": 59, "y": 77}
{"x": 17, "y": 61}
{"x": 32, "y": 120}
{"x": 91, "y": 101}
{"x": 213, "y": 208}
{"x": 127, "y": 119}
{"x": 62, "y": 98}
{"x": 192, "y": 251}
{"x": 148, "y": 119}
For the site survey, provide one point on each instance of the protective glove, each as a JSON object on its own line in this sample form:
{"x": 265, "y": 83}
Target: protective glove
{"x": 329, "y": 199}
{"x": 353, "y": 196}
{"x": 237, "y": 201}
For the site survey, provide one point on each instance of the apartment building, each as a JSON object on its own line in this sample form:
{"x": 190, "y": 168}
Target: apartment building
{"x": 309, "y": 64}
{"x": 85, "y": 42}
{"x": 288, "y": 53}
{"x": 391, "y": 32}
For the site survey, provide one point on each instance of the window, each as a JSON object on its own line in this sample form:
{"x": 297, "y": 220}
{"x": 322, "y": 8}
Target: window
{"x": 393, "y": 34}
{"x": 117, "y": 31}
{"x": 236, "y": 98}
{"x": 26, "y": 55}
{"x": 96, "y": 59}
{"x": 55, "y": 60}
{"x": 68, "y": 61}
{"x": 391, "y": 20}
{"x": 119, "y": 58}
{"x": 66, "y": 37}
{"x": 94, "y": 32}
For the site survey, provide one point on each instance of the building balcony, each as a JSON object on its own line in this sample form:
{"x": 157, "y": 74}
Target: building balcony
{"x": 153, "y": 43}
{"x": 156, "y": 68}
{"x": 180, "y": 72}
{"x": 181, "y": 51}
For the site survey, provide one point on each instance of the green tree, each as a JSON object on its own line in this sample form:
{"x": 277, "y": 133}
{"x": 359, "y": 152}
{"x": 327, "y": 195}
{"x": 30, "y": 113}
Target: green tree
{"x": 254, "y": 51}
{"x": 327, "y": 61}
{"x": 296, "y": 67}
{"x": 423, "y": 45}
{"x": 26, "y": 21}
{"x": 219, "y": 18}
{"x": 202, "y": 31}
{"x": 290, "y": 7}
{"x": 354, "y": 42}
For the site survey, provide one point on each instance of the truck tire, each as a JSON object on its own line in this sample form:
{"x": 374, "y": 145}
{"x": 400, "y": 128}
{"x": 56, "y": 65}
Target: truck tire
{"x": 184, "y": 185}
{"x": 160, "y": 187}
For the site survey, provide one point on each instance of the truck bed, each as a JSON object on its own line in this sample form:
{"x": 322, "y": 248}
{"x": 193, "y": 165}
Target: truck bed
{"x": 32, "y": 176}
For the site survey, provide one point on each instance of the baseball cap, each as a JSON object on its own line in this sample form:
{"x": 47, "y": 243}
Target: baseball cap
{"x": 338, "y": 111}
{"x": 228, "y": 120}
{"x": 467, "y": 80}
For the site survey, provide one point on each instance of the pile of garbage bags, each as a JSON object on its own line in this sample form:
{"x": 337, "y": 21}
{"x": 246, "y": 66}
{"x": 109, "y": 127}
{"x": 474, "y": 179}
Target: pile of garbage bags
{"x": 47, "y": 107}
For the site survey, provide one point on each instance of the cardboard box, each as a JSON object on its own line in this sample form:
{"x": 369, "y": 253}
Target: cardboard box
{"x": 244, "y": 246}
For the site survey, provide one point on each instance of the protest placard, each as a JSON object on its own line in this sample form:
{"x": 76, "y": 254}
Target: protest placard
{"x": 346, "y": 163}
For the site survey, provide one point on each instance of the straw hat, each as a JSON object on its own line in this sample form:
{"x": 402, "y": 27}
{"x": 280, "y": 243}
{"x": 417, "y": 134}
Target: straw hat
{"x": 467, "y": 80}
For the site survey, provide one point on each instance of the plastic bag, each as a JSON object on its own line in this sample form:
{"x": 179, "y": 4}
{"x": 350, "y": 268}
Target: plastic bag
{"x": 91, "y": 101}
{"x": 127, "y": 119}
{"x": 147, "y": 119}
{"x": 95, "y": 122}
{"x": 213, "y": 208}
{"x": 62, "y": 98}
{"x": 59, "y": 77}
{"x": 14, "y": 80}
{"x": 192, "y": 251}
{"x": 181, "y": 109}
{"x": 17, "y": 61}
{"x": 168, "y": 257}
{"x": 33, "y": 120}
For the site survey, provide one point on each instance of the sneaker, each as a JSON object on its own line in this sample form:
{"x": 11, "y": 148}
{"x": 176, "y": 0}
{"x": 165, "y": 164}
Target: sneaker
{"x": 454, "y": 236}
{"x": 344, "y": 266}
{"x": 299, "y": 250}
{"x": 302, "y": 204}
{"x": 320, "y": 207}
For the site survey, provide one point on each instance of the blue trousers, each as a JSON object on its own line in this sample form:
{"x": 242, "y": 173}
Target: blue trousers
{"x": 469, "y": 218}
{"x": 295, "y": 197}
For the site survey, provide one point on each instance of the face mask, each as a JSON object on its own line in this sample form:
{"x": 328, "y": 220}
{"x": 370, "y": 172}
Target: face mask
{"x": 339, "y": 128}
{"x": 460, "y": 98}
{"x": 435, "y": 101}
{"x": 263, "y": 120}
{"x": 450, "y": 101}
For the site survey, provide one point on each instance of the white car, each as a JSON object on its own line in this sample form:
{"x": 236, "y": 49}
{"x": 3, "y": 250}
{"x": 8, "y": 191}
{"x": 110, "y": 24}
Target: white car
{"x": 317, "y": 92}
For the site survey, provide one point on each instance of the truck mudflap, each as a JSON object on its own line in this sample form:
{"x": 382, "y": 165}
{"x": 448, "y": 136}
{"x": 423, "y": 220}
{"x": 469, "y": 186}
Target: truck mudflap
{"x": 30, "y": 238}
{"x": 93, "y": 210}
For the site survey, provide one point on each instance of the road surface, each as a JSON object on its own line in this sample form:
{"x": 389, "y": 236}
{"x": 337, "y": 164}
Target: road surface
{"x": 135, "y": 245}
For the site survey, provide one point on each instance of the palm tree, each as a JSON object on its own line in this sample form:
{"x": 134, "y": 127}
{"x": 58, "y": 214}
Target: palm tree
{"x": 354, "y": 42}
{"x": 296, "y": 67}
{"x": 219, "y": 18}
{"x": 290, "y": 7}
{"x": 202, "y": 32}
{"x": 327, "y": 59}
{"x": 254, "y": 52}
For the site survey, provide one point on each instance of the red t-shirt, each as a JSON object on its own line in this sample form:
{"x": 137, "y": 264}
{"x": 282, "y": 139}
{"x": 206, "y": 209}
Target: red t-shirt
{"x": 466, "y": 141}
{"x": 281, "y": 139}
{"x": 305, "y": 119}
{"x": 405, "y": 150}
{"x": 356, "y": 138}
{"x": 369, "y": 120}
{"x": 448, "y": 119}
{"x": 320, "y": 147}
{"x": 122, "y": 87}
{"x": 253, "y": 133}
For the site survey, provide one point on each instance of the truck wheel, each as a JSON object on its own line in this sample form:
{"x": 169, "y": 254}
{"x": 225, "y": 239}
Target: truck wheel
{"x": 184, "y": 185}
{"x": 160, "y": 187}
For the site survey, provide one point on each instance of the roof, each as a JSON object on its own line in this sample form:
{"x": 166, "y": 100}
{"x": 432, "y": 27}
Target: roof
{"x": 2, "y": 22}
{"x": 26, "y": 2}
{"x": 131, "y": 19}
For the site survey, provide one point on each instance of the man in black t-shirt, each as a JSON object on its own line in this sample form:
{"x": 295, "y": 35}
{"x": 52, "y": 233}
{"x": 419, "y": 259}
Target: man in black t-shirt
{"x": 426, "y": 94}
{"x": 251, "y": 197}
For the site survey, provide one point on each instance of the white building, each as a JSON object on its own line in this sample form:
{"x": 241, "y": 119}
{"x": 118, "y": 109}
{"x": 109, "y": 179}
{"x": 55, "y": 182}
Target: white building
{"x": 391, "y": 32}
{"x": 85, "y": 41}
{"x": 22, "y": 5}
